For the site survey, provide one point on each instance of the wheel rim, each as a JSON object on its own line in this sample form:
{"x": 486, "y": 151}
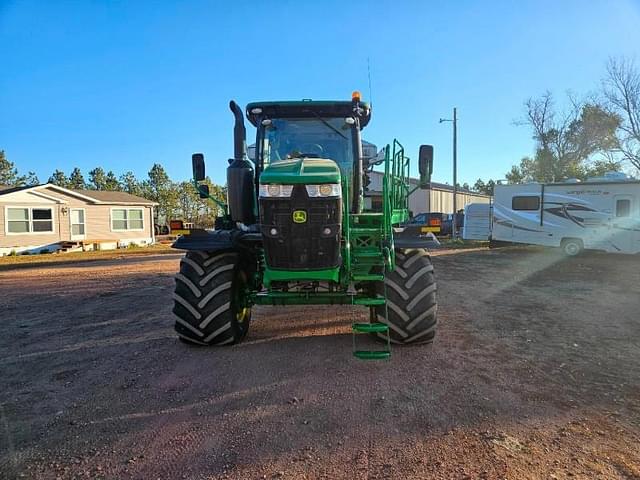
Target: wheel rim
{"x": 572, "y": 248}
{"x": 240, "y": 307}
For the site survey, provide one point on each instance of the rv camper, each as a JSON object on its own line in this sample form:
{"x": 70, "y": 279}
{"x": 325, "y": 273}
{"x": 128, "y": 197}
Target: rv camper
{"x": 600, "y": 214}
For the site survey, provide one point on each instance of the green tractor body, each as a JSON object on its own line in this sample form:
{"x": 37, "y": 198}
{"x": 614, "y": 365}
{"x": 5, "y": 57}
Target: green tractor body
{"x": 296, "y": 230}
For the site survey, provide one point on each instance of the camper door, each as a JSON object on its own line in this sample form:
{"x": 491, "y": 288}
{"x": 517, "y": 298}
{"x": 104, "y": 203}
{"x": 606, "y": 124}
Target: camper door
{"x": 624, "y": 223}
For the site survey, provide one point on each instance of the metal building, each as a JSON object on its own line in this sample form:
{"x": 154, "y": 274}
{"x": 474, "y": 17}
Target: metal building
{"x": 439, "y": 198}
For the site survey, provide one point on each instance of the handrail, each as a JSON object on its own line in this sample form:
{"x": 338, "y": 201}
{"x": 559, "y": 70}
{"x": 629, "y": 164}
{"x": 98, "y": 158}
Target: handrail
{"x": 387, "y": 193}
{"x": 395, "y": 186}
{"x": 346, "y": 224}
{"x": 395, "y": 191}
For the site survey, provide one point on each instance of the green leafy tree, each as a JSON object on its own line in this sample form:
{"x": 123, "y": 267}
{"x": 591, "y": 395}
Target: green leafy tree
{"x": 76, "y": 180}
{"x": 159, "y": 188}
{"x": 490, "y": 187}
{"x": 599, "y": 167}
{"x": 482, "y": 187}
{"x": 97, "y": 179}
{"x": 189, "y": 204}
{"x": 521, "y": 173}
{"x": 59, "y": 178}
{"x": 566, "y": 142}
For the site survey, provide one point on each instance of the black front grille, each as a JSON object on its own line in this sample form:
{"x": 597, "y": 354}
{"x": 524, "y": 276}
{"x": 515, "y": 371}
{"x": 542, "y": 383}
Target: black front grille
{"x": 299, "y": 246}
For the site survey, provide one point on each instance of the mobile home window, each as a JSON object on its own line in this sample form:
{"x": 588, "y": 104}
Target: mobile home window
{"x": 42, "y": 219}
{"x": 29, "y": 220}
{"x": 623, "y": 208}
{"x": 127, "y": 219}
{"x": 525, "y": 203}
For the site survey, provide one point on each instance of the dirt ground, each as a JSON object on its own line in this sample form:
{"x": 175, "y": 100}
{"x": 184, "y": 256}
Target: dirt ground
{"x": 535, "y": 373}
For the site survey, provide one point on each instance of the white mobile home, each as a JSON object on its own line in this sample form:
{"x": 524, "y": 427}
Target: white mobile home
{"x": 601, "y": 214}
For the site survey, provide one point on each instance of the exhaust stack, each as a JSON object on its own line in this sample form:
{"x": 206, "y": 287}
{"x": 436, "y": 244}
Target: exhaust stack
{"x": 241, "y": 191}
{"x": 239, "y": 133}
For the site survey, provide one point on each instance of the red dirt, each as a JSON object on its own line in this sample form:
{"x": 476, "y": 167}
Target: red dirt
{"x": 535, "y": 373}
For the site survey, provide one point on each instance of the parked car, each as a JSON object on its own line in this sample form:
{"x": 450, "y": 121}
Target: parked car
{"x": 447, "y": 223}
{"x": 429, "y": 221}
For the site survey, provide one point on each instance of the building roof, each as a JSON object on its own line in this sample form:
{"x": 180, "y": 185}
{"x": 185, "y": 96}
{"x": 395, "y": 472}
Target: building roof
{"x": 447, "y": 187}
{"x": 106, "y": 196}
{"x": 93, "y": 196}
{"x": 4, "y": 189}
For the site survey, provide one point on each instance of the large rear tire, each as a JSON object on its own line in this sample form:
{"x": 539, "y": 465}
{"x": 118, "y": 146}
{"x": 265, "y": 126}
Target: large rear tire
{"x": 209, "y": 298}
{"x": 411, "y": 299}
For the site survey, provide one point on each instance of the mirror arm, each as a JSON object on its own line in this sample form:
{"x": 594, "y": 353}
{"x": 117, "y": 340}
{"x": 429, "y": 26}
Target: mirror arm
{"x": 220, "y": 204}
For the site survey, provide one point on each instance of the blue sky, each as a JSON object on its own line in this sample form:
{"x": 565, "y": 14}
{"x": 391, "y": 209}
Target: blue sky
{"x": 126, "y": 84}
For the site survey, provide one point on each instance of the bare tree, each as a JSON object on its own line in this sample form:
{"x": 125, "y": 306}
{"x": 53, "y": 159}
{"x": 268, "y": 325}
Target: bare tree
{"x": 622, "y": 91}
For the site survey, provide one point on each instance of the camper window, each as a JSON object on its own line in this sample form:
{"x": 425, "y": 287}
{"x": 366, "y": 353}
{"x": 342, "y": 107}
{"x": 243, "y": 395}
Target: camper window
{"x": 525, "y": 203}
{"x": 623, "y": 208}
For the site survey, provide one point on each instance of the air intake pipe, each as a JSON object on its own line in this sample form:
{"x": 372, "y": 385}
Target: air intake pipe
{"x": 241, "y": 191}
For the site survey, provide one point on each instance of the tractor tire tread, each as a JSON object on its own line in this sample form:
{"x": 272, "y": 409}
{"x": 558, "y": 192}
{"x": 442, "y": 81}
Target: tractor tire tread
{"x": 204, "y": 315}
{"x": 411, "y": 299}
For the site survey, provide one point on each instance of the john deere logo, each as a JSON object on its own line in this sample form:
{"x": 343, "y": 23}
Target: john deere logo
{"x": 299, "y": 216}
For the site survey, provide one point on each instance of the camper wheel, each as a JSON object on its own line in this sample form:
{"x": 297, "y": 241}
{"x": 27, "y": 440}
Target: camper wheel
{"x": 571, "y": 246}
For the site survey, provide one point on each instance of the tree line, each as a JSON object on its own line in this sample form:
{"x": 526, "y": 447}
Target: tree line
{"x": 591, "y": 136}
{"x": 175, "y": 199}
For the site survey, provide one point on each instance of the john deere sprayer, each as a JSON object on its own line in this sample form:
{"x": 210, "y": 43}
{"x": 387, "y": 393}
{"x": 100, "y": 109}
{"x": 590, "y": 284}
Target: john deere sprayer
{"x": 296, "y": 230}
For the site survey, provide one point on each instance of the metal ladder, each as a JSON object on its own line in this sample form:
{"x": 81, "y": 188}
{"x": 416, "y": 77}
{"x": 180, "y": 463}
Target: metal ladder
{"x": 368, "y": 254}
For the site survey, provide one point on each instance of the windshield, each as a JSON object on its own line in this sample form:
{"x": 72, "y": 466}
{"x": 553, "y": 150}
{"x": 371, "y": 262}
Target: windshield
{"x": 329, "y": 138}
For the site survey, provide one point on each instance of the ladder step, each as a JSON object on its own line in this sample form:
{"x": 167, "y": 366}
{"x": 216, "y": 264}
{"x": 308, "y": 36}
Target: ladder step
{"x": 366, "y": 253}
{"x": 369, "y": 261}
{"x": 361, "y": 231}
{"x": 372, "y": 354}
{"x": 370, "y": 301}
{"x": 364, "y": 277}
{"x": 375, "y": 327}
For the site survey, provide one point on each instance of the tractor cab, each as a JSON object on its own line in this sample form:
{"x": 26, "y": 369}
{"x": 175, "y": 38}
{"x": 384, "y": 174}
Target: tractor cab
{"x": 307, "y": 129}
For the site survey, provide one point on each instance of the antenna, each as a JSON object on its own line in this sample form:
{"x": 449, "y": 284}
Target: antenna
{"x": 369, "y": 75}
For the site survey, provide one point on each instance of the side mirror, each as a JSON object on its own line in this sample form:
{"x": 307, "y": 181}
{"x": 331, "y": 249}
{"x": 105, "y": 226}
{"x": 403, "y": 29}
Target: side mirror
{"x": 197, "y": 163}
{"x": 203, "y": 191}
{"x": 425, "y": 165}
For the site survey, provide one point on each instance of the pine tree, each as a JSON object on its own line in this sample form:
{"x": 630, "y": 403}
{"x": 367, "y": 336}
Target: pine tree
{"x": 8, "y": 171}
{"x": 59, "y": 178}
{"x": 76, "y": 180}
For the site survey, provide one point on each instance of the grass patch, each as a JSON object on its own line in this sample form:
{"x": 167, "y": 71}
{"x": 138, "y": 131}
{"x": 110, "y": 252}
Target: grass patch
{"x": 10, "y": 260}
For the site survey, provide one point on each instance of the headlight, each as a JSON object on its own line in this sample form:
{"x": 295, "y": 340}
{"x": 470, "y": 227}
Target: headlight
{"x": 324, "y": 190}
{"x": 274, "y": 190}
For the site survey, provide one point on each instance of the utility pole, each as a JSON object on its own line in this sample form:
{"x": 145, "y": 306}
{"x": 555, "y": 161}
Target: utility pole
{"x": 454, "y": 224}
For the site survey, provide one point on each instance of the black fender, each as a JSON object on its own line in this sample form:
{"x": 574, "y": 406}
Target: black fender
{"x": 413, "y": 238}
{"x": 212, "y": 241}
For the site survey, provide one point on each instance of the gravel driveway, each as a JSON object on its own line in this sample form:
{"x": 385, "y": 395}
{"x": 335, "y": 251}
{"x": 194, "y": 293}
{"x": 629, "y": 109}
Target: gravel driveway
{"x": 535, "y": 373}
